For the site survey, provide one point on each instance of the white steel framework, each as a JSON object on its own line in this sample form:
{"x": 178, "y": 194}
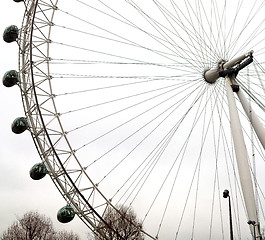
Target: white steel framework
{"x": 71, "y": 175}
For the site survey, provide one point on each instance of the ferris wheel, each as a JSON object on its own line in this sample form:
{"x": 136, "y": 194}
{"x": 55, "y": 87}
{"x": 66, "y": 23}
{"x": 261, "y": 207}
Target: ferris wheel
{"x": 155, "y": 106}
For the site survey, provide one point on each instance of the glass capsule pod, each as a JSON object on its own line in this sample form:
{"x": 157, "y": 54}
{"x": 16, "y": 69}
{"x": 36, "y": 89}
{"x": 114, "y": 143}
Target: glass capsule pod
{"x": 66, "y": 214}
{"x": 10, "y": 34}
{"x": 38, "y": 171}
{"x": 10, "y": 78}
{"x": 18, "y": 0}
{"x": 19, "y": 125}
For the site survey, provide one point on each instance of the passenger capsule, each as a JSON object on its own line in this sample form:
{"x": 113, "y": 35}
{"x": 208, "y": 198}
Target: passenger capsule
{"x": 18, "y": 0}
{"x": 38, "y": 171}
{"x": 66, "y": 214}
{"x": 10, "y": 78}
{"x": 19, "y": 125}
{"x": 10, "y": 34}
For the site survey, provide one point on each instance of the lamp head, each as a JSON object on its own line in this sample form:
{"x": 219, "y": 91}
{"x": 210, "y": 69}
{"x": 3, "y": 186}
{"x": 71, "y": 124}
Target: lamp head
{"x": 226, "y": 193}
{"x": 250, "y": 222}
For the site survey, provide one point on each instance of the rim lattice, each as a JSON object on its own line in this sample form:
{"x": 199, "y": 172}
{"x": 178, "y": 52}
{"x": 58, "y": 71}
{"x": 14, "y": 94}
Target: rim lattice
{"x": 45, "y": 126}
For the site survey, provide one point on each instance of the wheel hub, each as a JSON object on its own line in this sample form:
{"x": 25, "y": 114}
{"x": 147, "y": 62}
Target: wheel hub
{"x": 228, "y": 68}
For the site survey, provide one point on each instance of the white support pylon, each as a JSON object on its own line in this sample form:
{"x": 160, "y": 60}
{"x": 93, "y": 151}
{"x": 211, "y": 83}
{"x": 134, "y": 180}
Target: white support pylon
{"x": 242, "y": 158}
{"x": 253, "y": 118}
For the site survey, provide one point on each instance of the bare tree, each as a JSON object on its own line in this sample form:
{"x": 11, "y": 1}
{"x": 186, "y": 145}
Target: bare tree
{"x": 64, "y": 235}
{"x": 13, "y": 232}
{"x": 120, "y": 225}
{"x": 34, "y": 226}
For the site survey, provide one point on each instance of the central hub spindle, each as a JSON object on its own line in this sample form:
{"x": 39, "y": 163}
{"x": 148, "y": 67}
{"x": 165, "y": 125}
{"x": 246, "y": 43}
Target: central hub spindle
{"x": 228, "y": 68}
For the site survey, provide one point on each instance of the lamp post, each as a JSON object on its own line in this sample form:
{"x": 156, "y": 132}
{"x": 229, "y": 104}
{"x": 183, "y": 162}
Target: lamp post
{"x": 226, "y": 195}
{"x": 254, "y": 230}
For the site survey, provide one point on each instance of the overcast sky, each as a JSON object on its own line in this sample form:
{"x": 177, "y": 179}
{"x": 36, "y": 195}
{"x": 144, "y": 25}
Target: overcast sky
{"x": 19, "y": 193}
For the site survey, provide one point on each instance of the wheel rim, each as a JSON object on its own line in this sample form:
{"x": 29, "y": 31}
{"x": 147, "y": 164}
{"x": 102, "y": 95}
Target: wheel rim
{"x": 139, "y": 120}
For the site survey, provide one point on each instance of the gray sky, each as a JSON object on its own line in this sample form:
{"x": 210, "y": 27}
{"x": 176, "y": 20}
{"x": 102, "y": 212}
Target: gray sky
{"x": 19, "y": 193}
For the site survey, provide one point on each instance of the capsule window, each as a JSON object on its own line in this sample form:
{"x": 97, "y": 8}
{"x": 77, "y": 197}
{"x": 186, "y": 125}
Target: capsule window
{"x": 10, "y": 34}
{"x": 38, "y": 171}
{"x": 66, "y": 214}
{"x": 10, "y": 78}
{"x": 19, "y": 125}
